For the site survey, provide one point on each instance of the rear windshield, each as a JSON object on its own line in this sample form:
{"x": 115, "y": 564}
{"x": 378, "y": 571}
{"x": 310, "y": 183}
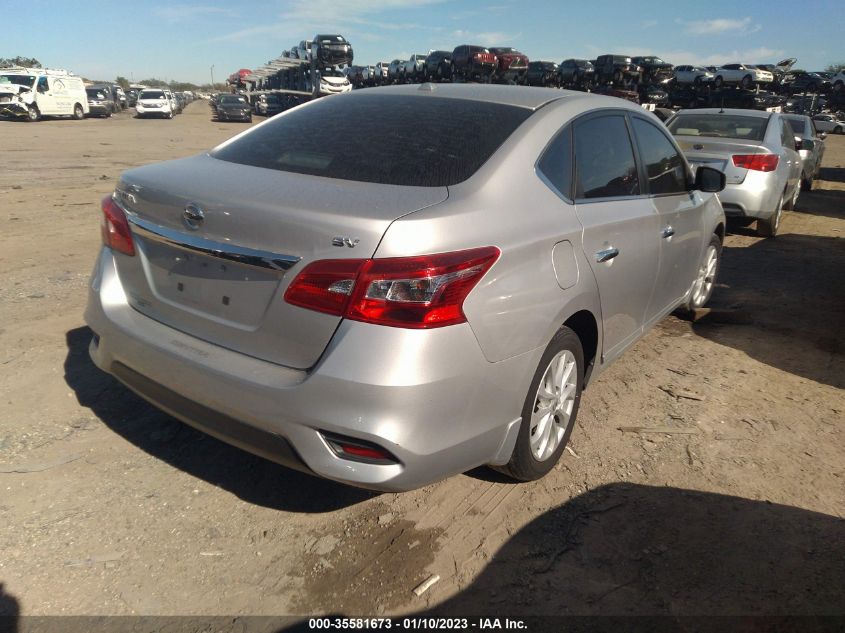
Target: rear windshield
{"x": 797, "y": 126}
{"x": 232, "y": 99}
{"x": 719, "y": 125}
{"x": 95, "y": 94}
{"x": 367, "y": 138}
{"x": 151, "y": 94}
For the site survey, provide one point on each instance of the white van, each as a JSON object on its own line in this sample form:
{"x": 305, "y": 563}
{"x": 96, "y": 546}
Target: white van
{"x": 35, "y": 92}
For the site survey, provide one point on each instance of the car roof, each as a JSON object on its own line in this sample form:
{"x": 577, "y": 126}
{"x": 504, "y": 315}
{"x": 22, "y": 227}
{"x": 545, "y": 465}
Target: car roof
{"x": 519, "y": 96}
{"x": 735, "y": 111}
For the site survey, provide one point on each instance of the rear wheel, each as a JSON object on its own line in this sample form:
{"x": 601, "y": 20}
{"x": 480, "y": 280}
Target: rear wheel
{"x": 769, "y": 227}
{"x": 806, "y": 182}
{"x": 550, "y": 409}
{"x": 702, "y": 287}
{"x": 78, "y": 112}
{"x": 837, "y": 129}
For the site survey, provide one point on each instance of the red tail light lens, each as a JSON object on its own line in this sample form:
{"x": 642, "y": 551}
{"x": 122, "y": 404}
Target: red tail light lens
{"x": 410, "y": 292}
{"x": 757, "y": 162}
{"x": 325, "y": 285}
{"x": 115, "y": 228}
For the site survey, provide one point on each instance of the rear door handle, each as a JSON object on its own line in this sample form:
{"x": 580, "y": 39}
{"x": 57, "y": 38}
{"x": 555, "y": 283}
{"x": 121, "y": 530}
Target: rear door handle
{"x": 667, "y": 232}
{"x": 606, "y": 255}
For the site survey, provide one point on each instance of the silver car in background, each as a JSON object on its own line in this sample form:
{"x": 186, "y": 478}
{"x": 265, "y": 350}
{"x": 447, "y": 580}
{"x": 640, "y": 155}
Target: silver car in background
{"x": 333, "y": 302}
{"x": 755, "y": 150}
{"x": 810, "y": 146}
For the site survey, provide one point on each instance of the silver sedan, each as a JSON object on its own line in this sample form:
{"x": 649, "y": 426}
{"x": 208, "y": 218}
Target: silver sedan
{"x": 755, "y": 150}
{"x": 393, "y": 308}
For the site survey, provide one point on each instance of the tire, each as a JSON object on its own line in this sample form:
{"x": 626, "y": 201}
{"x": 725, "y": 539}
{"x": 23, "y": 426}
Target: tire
{"x": 745, "y": 82}
{"x": 705, "y": 281}
{"x": 837, "y": 129}
{"x": 33, "y": 114}
{"x": 718, "y": 82}
{"x": 806, "y": 183}
{"x": 533, "y": 458}
{"x": 170, "y": 114}
{"x": 78, "y": 112}
{"x": 249, "y": 119}
{"x": 838, "y": 86}
{"x": 769, "y": 227}
{"x": 696, "y": 82}
{"x": 794, "y": 200}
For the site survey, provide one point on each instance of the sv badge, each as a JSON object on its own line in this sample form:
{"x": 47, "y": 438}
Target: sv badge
{"x": 345, "y": 241}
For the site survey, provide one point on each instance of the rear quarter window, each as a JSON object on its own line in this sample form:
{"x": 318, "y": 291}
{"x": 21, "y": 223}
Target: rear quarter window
{"x": 388, "y": 139}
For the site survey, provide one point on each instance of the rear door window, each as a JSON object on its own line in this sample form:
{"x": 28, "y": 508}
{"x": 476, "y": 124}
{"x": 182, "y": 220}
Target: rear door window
{"x": 665, "y": 168}
{"x": 367, "y": 138}
{"x": 604, "y": 159}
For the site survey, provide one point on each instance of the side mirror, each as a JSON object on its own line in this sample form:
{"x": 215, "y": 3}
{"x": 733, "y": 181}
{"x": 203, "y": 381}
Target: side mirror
{"x": 804, "y": 144}
{"x": 709, "y": 180}
{"x": 822, "y": 135}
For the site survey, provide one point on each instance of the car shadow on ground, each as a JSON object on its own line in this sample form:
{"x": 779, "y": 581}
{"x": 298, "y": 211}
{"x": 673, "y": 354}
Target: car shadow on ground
{"x": 10, "y": 610}
{"x": 251, "y": 478}
{"x": 822, "y": 200}
{"x": 631, "y": 551}
{"x": 790, "y": 295}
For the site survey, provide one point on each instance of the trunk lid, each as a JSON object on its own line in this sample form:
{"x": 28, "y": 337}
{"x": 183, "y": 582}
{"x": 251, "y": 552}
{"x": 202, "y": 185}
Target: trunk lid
{"x": 223, "y": 280}
{"x": 718, "y": 153}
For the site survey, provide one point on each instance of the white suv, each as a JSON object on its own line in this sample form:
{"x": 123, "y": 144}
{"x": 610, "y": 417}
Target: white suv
{"x": 154, "y": 102}
{"x": 741, "y": 74}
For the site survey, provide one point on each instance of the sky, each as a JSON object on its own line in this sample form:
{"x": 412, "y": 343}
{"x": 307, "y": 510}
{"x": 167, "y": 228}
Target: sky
{"x": 181, "y": 41}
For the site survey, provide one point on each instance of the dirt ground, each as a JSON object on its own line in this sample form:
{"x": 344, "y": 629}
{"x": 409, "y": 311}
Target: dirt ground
{"x": 108, "y": 506}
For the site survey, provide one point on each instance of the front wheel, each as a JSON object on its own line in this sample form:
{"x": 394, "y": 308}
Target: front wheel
{"x": 702, "y": 287}
{"x": 746, "y": 82}
{"x": 550, "y": 409}
{"x": 32, "y": 113}
{"x": 718, "y": 82}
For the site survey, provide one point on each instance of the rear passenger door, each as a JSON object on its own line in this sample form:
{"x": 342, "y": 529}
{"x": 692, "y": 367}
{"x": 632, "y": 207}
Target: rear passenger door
{"x": 679, "y": 213}
{"x": 621, "y": 227}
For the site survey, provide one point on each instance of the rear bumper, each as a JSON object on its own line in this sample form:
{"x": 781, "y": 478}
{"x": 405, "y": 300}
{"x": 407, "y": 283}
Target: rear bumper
{"x": 427, "y": 396}
{"x": 756, "y": 197}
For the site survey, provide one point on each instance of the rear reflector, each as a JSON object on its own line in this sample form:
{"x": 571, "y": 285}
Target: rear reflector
{"x": 757, "y": 162}
{"x": 426, "y": 291}
{"x": 115, "y": 228}
{"x": 358, "y": 450}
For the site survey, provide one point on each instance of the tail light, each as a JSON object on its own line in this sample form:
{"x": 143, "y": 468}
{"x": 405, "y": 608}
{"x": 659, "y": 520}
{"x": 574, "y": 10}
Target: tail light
{"x": 427, "y": 291}
{"x": 756, "y": 162}
{"x": 115, "y": 228}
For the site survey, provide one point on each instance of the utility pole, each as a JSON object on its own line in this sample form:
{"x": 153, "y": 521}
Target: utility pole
{"x": 212, "y": 77}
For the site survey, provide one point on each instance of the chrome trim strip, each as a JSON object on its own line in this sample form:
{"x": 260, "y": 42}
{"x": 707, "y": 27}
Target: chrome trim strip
{"x": 230, "y": 252}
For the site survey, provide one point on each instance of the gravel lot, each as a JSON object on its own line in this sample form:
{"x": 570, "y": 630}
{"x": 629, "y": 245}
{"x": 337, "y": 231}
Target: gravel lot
{"x": 108, "y": 506}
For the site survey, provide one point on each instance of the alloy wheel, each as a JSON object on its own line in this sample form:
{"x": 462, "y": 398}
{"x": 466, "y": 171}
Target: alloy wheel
{"x": 706, "y": 277}
{"x": 553, "y": 405}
